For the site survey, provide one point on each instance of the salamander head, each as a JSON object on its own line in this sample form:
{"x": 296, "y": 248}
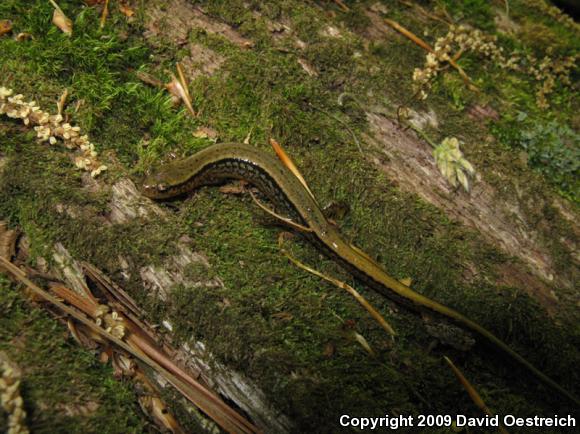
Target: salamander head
{"x": 169, "y": 180}
{"x": 155, "y": 186}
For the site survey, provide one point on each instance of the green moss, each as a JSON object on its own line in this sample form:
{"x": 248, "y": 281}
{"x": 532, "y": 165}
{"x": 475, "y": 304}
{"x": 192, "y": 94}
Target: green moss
{"x": 542, "y": 31}
{"x": 550, "y": 148}
{"x": 475, "y": 12}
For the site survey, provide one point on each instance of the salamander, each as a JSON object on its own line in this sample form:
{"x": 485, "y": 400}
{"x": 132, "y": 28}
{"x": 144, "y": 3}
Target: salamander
{"x": 221, "y": 162}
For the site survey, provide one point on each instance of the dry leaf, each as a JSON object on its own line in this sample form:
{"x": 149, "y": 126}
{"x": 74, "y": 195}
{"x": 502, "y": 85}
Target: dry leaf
{"x": 126, "y": 10}
{"x": 235, "y": 188}
{"x": 206, "y": 133}
{"x": 174, "y": 88}
{"x": 60, "y": 20}
{"x": 5, "y": 26}
{"x": 178, "y": 88}
{"x": 7, "y": 241}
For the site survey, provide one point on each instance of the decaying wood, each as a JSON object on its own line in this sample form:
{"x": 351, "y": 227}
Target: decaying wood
{"x": 69, "y": 270}
{"x": 160, "y": 280}
{"x": 126, "y": 205}
{"x": 245, "y": 393}
{"x": 409, "y": 163}
{"x": 175, "y": 19}
{"x": 172, "y": 23}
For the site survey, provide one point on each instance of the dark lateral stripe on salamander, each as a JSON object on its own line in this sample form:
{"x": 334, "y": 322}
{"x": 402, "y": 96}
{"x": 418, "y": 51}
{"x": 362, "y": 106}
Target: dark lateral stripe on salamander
{"x": 238, "y": 161}
{"x": 273, "y": 192}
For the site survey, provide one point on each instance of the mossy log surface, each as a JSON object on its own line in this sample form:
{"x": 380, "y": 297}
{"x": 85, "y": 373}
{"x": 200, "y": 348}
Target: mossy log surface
{"x": 327, "y": 82}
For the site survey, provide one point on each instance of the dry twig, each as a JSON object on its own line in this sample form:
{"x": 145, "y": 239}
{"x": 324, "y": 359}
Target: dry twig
{"x": 424, "y": 12}
{"x": 341, "y": 4}
{"x": 357, "y": 296}
{"x": 104, "y": 14}
{"x": 140, "y": 346}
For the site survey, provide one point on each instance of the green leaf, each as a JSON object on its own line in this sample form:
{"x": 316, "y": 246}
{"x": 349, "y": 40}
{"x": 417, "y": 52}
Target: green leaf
{"x": 462, "y": 178}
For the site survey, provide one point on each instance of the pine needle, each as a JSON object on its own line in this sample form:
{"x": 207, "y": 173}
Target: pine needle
{"x": 104, "y": 14}
{"x": 475, "y": 397}
{"x": 341, "y": 4}
{"x": 201, "y": 397}
{"x": 359, "y": 298}
{"x": 285, "y": 158}
{"x": 178, "y": 87}
{"x": 277, "y": 216}
{"x": 364, "y": 343}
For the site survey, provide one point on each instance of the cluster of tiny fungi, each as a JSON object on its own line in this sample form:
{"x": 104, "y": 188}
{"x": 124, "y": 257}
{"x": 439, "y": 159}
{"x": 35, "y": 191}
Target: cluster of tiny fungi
{"x": 460, "y": 39}
{"x": 110, "y": 320}
{"x": 10, "y": 398}
{"x": 49, "y": 128}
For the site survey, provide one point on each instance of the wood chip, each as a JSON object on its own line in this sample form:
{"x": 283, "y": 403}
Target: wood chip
{"x": 7, "y": 241}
